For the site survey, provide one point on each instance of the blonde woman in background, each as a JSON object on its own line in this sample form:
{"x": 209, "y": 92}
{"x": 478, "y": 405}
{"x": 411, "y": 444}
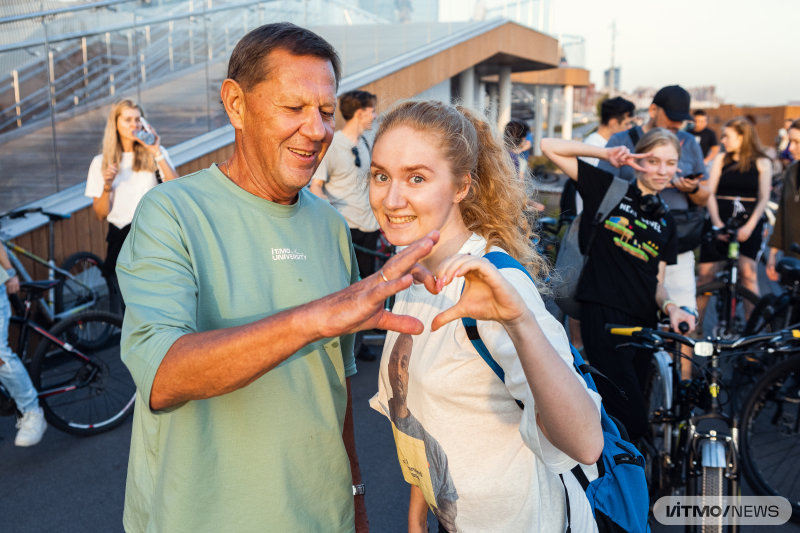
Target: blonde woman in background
{"x": 122, "y": 174}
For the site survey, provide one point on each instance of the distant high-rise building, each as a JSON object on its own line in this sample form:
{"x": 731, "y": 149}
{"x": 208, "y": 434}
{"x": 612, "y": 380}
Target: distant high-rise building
{"x": 606, "y": 83}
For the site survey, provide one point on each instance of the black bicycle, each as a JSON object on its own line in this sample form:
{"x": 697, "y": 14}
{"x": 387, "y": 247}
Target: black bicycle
{"x": 729, "y": 295}
{"x": 770, "y": 437}
{"x": 776, "y": 312}
{"x": 84, "y": 388}
{"x": 692, "y": 445}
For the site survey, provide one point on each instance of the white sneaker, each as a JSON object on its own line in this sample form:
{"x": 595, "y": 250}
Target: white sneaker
{"x": 31, "y": 427}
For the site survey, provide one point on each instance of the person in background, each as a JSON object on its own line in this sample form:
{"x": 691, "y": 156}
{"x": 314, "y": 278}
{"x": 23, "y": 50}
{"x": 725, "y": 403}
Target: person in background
{"x": 684, "y": 195}
{"x": 704, "y": 136}
{"x": 623, "y": 280}
{"x": 784, "y": 154}
{"x": 32, "y": 425}
{"x": 121, "y": 175}
{"x": 740, "y": 183}
{"x": 787, "y": 222}
{"x": 517, "y": 144}
{"x": 338, "y": 180}
{"x": 615, "y": 116}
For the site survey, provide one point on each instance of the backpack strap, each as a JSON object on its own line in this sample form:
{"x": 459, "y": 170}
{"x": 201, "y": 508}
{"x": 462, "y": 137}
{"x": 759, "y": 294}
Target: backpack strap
{"x": 500, "y": 260}
{"x": 613, "y": 196}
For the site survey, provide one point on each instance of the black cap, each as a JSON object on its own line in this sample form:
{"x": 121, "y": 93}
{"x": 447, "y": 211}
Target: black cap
{"x": 675, "y": 101}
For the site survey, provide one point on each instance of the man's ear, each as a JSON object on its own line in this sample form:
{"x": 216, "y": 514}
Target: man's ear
{"x": 653, "y": 110}
{"x": 233, "y": 99}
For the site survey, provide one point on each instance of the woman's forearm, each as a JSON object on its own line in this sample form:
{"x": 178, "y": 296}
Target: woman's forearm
{"x": 102, "y": 206}
{"x": 567, "y": 413}
{"x": 417, "y": 511}
{"x": 564, "y": 154}
{"x": 167, "y": 172}
{"x": 713, "y": 210}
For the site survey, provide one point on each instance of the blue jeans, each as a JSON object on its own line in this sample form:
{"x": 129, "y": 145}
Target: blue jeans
{"x": 13, "y": 375}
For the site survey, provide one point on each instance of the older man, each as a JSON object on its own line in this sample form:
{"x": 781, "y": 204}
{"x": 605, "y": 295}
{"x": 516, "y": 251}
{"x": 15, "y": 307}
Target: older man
{"x": 242, "y": 301}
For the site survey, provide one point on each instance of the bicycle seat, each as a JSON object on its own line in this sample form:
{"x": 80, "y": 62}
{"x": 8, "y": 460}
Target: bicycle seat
{"x": 40, "y": 286}
{"x": 789, "y": 267}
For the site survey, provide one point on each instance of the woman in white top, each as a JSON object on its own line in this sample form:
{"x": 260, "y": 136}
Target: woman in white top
{"x": 122, "y": 174}
{"x": 471, "y": 455}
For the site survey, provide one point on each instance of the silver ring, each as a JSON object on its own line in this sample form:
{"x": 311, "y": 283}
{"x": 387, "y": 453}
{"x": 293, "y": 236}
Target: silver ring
{"x": 384, "y": 277}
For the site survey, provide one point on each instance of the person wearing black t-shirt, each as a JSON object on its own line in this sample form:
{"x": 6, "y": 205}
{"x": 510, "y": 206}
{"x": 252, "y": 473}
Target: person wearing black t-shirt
{"x": 623, "y": 280}
{"x": 705, "y": 137}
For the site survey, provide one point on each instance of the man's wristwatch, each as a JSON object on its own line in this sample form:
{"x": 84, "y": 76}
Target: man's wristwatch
{"x": 359, "y": 489}
{"x": 695, "y": 189}
{"x": 11, "y": 272}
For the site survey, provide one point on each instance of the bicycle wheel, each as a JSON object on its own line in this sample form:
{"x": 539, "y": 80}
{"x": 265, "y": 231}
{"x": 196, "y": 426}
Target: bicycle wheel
{"x": 712, "y": 480}
{"x": 770, "y": 439}
{"x": 84, "y": 388}
{"x": 730, "y": 323}
{"x": 653, "y": 450}
{"x": 87, "y": 269}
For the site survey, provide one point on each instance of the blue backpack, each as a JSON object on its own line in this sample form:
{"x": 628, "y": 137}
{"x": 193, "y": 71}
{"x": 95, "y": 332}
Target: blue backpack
{"x": 618, "y": 497}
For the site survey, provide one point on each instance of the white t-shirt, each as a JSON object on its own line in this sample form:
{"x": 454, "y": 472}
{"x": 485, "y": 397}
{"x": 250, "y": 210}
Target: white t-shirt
{"x": 127, "y": 189}
{"x": 482, "y": 462}
{"x": 595, "y": 139}
{"x": 342, "y": 181}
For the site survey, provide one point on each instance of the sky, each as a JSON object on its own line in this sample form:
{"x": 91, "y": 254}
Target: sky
{"x": 748, "y": 49}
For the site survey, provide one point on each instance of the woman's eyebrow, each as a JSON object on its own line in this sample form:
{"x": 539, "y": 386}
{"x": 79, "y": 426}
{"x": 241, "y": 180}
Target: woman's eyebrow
{"x": 410, "y": 168}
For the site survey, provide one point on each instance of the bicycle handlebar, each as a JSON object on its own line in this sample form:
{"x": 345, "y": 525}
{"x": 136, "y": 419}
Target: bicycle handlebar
{"x": 651, "y": 334}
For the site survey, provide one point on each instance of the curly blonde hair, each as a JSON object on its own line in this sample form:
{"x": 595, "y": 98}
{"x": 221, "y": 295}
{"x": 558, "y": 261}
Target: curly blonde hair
{"x": 496, "y": 206}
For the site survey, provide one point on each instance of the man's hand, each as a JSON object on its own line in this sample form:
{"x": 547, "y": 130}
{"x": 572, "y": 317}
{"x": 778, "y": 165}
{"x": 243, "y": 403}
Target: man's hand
{"x": 12, "y": 285}
{"x": 360, "y": 306}
{"x": 686, "y": 185}
{"x": 619, "y": 156}
{"x": 678, "y": 315}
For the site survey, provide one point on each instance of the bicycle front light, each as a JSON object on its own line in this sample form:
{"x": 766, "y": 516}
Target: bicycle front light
{"x": 703, "y": 349}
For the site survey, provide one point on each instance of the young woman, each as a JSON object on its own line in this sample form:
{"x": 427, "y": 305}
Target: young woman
{"x": 623, "y": 280}
{"x": 740, "y": 183}
{"x": 471, "y": 455}
{"x": 122, "y": 174}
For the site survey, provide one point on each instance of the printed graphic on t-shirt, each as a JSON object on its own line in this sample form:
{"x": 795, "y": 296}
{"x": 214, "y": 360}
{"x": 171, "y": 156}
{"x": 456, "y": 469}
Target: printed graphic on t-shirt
{"x": 632, "y": 233}
{"x": 421, "y": 457}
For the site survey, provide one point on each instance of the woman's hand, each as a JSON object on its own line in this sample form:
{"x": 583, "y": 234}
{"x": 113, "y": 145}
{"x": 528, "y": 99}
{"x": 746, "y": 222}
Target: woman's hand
{"x": 619, "y": 156}
{"x": 772, "y": 274}
{"x": 678, "y": 315}
{"x": 12, "y": 285}
{"x": 109, "y": 174}
{"x": 744, "y": 233}
{"x": 487, "y": 295}
{"x": 155, "y": 148}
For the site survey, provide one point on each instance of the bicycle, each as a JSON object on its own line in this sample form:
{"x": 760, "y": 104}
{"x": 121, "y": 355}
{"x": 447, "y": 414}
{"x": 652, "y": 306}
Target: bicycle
{"x": 84, "y": 388}
{"x": 776, "y": 312}
{"x": 686, "y": 450}
{"x": 730, "y": 294}
{"x": 82, "y": 285}
{"x": 771, "y": 431}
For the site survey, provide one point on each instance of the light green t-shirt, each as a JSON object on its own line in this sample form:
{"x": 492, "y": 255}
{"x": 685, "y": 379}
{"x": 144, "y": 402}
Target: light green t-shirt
{"x": 203, "y": 254}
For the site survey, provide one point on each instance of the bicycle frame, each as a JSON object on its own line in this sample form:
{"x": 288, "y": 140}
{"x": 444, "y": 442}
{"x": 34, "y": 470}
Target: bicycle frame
{"x": 48, "y": 307}
{"x": 22, "y": 348}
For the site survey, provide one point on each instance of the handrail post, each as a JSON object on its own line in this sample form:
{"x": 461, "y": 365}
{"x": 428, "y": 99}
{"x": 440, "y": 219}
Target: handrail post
{"x": 51, "y": 101}
{"x": 191, "y": 34}
{"x": 111, "y": 88}
{"x": 15, "y": 77}
{"x": 171, "y": 54}
{"x": 85, "y": 62}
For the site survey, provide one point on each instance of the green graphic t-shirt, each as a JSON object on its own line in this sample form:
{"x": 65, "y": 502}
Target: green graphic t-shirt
{"x": 203, "y": 254}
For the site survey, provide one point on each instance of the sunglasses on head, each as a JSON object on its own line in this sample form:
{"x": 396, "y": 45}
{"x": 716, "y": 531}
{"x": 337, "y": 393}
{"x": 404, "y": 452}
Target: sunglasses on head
{"x": 358, "y": 157}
